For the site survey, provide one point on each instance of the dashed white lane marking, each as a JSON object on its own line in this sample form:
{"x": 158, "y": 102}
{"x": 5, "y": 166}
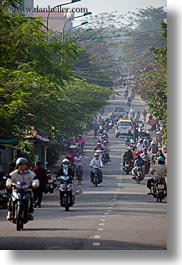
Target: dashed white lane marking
{"x": 96, "y": 244}
{"x": 100, "y": 229}
{"x": 97, "y": 236}
{"x": 101, "y": 224}
{"x": 109, "y": 210}
{"x": 102, "y": 220}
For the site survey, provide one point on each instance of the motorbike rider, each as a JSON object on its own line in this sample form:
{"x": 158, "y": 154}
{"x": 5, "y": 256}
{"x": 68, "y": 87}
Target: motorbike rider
{"x": 80, "y": 142}
{"x": 96, "y": 163}
{"x": 145, "y": 143}
{"x": 104, "y": 135}
{"x": 159, "y": 138}
{"x": 138, "y": 162}
{"x": 22, "y": 174}
{"x": 159, "y": 171}
{"x": 128, "y": 155}
{"x": 144, "y": 114}
{"x": 153, "y": 147}
{"x": 140, "y": 145}
{"x": 129, "y": 100}
{"x": 106, "y": 149}
{"x": 146, "y": 158}
{"x": 66, "y": 169}
{"x": 78, "y": 162}
{"x": 160, "y": 153}
{"x": 131, "y": 113}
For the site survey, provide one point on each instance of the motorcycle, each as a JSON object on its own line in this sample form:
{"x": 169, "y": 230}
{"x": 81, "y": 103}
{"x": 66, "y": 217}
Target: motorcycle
{"x": 96, "y": 176}
{"x": 146, "y": 166}
{"x": 153, "y": 159}
{"x": 105, "y": 157}
{"x": 51, "y": 183}
{"x": 129, "y": 102}
{"x": 128, "y": 166}
{"x": 101, "y": 129}
{"x": 21, "y": 199}
{"x": 139, "y": 176}
{"x": 66, "y": 192}
{"x": 159, "y": 190}
{"x": 3, "y": 193}
{"x": 125, "y": 94}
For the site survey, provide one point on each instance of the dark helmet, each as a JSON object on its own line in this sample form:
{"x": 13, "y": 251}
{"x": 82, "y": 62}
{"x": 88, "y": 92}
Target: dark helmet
{"x": 21, "y": 160}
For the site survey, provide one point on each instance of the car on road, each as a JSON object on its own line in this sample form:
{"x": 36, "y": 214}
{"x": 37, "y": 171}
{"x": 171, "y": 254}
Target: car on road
{"x": 117, "y": 112}
{"x": 123, "y": 126}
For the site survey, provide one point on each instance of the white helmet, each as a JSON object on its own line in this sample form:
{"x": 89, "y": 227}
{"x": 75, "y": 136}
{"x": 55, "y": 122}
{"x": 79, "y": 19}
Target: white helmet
{"x": 35, "y": 183}
{"x": 65, "y": 161}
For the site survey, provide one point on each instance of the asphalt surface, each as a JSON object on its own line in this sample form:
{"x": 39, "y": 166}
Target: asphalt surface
{"x": 116, "y": 215}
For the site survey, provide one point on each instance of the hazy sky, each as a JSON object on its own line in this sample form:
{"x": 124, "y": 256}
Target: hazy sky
{"x": 100, "y": 6}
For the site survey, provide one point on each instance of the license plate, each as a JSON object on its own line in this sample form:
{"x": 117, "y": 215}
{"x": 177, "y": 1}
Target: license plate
{"x": 49, "y": 180}
{"x": 2, "y": 192}
{"x": 161, "y": 186}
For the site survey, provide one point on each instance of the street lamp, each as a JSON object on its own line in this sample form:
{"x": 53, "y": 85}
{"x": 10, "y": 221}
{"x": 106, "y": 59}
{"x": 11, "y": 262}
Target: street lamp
{"x": 73, "y": 1}
{"x": 85, "y": 14}
{"x": 83, "y": 23}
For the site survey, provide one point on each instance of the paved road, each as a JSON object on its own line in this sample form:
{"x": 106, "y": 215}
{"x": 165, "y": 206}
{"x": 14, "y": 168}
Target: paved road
{"x": 115, "y": 215}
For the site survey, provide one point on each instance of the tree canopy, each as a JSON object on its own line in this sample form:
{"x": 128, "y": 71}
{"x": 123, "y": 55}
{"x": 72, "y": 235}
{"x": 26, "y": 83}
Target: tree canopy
{"x": 38, "y": 87}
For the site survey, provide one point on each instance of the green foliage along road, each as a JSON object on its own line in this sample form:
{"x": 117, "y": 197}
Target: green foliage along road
{"x": 38, "y": 87}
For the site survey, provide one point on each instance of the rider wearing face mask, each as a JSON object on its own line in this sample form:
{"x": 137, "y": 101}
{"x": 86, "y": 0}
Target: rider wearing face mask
{"x": 65, "y": 169}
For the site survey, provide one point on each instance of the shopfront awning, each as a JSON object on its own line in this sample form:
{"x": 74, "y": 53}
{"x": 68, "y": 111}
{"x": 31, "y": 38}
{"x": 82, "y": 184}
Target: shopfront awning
{"x": 8, "y": 141}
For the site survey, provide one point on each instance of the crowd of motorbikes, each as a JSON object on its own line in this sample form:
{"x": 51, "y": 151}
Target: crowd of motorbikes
{"x": 70, "y": 186}
{"x": 148, "y": 159}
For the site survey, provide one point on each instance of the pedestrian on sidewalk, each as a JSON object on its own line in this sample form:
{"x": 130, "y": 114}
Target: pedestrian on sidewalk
{"x": 41, "y": 174}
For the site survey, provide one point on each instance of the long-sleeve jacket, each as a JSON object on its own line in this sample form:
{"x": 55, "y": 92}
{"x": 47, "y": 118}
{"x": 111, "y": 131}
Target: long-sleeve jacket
{"x": 96, "y": 163}
{"x": 62, "y": 173}
{"x": 26, "y": 176}
{"x": 41, "y": 173}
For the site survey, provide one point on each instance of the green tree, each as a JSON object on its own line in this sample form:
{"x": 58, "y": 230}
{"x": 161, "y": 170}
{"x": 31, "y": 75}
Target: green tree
{"x": 153, "y": 83}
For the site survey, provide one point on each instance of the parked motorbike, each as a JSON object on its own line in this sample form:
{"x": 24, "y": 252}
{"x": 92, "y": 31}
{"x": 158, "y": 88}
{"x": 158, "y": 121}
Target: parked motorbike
{"x": 96, "y": 176}
{"x": 3, "y": 193}
{"x": 66, "y": 192}
{"x": 128, "y": 166}
{"x": 159, "y": 189}
{"x": 139, "y": 176}
{"x": 21, "y": 198}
